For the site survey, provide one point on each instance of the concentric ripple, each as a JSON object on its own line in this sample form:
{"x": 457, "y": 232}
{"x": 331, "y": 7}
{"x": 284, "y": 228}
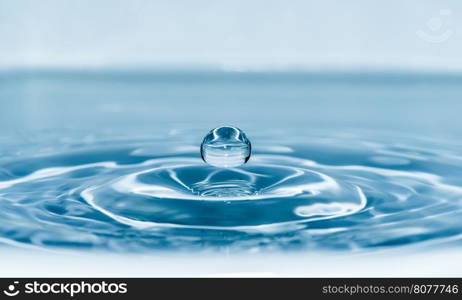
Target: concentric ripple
{"x": 184, "y": 191}
{"x": 349, "y": 191}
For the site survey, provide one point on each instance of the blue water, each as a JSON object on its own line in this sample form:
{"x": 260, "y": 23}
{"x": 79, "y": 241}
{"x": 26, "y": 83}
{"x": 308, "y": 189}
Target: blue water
{"x": 339, "y": 161}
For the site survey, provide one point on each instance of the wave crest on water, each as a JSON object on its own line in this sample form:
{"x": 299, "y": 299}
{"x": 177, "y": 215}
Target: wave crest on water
{"x": 345, "y": 192}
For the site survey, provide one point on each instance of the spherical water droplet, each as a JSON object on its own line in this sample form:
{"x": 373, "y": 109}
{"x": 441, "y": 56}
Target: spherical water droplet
{"x": 226, "y": 147}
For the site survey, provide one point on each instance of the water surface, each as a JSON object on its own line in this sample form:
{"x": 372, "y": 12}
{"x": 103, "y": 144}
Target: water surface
{"x": 339, "y": 161}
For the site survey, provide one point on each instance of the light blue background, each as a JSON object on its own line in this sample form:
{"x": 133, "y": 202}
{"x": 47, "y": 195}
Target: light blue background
{"x": 237, "y": 35}
{"x": 363, "y": 64}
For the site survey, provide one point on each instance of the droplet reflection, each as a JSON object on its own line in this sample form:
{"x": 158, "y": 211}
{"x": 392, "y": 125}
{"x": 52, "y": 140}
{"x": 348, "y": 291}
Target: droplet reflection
{"x": 226, "y": 147}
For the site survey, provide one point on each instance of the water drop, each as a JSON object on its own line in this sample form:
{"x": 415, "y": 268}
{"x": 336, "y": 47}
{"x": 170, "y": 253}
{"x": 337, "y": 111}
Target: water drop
{"x": 226, "y": 147}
